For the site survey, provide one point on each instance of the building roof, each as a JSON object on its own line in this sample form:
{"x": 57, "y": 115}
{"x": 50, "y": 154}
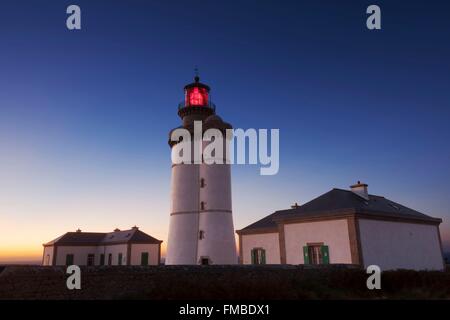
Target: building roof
{"x": 339, "y": 201}
{"x": 134, "y": 235}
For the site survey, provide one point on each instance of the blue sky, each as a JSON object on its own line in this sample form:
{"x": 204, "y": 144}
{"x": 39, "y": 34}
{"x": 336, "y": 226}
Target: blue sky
{"x": 85, "y": 115}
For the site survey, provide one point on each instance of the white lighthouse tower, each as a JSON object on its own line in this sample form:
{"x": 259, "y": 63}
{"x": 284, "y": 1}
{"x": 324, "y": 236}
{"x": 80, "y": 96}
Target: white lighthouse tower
{"x": 201, "y": 223}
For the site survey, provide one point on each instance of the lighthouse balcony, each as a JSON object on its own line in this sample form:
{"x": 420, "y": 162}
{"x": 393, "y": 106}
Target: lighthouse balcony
{"x": 209, "y": 105}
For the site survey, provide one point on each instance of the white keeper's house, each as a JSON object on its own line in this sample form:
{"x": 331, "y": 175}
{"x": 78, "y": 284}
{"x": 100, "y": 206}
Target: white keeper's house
{"x": 345, "y": 227}
{"x": 126, "y": 247}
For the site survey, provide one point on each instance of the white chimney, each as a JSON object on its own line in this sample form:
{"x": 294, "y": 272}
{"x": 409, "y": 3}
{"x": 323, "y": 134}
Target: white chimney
{"x": 361, "y": 190}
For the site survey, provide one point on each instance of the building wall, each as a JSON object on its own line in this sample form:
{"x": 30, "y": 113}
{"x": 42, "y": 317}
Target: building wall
{"x": 333, "y": 233}
{"x": 399, "y": 245}
{"x": 80, "y": 254}
{"x": 138, "y": 249}
{"x": 267, "y": 241}
{"x": 114, "y": 250}
{"x": 48, "y": 256}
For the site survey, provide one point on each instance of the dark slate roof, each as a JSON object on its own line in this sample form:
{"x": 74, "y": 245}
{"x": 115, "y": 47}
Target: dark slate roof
{"x": 338, "y": 201}
{"x": 133, "y": 235}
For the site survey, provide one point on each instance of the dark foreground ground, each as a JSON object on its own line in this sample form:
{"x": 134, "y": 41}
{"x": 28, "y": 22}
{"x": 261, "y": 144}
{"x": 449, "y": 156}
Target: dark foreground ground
{"x": 219, "y": 282}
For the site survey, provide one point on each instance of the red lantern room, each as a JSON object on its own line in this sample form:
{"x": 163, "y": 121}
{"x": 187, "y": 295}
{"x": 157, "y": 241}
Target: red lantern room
{"x": 196, "y": 94}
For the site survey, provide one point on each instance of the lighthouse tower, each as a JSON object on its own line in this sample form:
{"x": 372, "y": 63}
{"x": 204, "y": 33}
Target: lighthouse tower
{"x": 201, "y": 224}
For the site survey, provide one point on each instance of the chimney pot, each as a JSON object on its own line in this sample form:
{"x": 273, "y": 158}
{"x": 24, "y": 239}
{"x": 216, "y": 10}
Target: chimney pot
{"x": 360, "y": 189}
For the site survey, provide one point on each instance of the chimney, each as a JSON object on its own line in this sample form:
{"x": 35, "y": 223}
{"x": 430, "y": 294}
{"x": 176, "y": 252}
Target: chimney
{"x": 295, "y": 206}
{"x": 116, "y": 230}
{"x": 135, "y": 228}
{"x": 78, "y": 230}
{"x": 361, "y": 190}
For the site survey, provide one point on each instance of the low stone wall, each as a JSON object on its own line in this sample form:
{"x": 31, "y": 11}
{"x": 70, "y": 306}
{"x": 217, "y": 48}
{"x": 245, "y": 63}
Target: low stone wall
{"x": 218, "y": 282}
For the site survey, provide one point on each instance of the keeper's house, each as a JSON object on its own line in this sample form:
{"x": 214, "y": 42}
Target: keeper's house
{"x": 345, "y": 227}
{"x": 127, "y": 247}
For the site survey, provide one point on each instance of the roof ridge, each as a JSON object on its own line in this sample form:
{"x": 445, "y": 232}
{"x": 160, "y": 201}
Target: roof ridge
{"x": 371, "y": 195}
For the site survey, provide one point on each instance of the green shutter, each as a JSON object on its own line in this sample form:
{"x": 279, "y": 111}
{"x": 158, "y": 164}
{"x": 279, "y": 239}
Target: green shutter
{"x": 325, "y": 255}
{"x": 263, "y": 256}
{"x": 305, "y": 255}
{"x": 69, "y": 259}
{"x": 253, "y": 252}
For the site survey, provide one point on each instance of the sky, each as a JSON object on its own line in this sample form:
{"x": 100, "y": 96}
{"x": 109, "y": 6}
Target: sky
{"x": 85, "y": 115}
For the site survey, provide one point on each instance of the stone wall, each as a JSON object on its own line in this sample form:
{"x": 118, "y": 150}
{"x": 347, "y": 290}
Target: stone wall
{"x": 218, "y": 282}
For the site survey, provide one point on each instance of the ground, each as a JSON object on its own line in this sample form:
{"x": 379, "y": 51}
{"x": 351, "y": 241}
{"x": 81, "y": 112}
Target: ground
{"x": 220, "y": 282}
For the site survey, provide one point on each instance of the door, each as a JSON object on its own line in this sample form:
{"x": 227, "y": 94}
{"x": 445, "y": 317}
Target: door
{"x": 144, "y": 259}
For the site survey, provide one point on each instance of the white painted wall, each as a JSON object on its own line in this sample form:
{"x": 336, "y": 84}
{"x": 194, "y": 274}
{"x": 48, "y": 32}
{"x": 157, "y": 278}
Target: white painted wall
{"x": 399, "y": 245}
{"x": 183, "y": 227}
{"x": 80, "y": 254}
{"x": 114, "y": 250}
{"x": 216, "y": 221}
{"x": 48, "y": 256}
{"x": 187, "y": 217}
{"x": 333, "y": 233}
{"x": 137, "y": 249}
{"x": 267, "y": 241}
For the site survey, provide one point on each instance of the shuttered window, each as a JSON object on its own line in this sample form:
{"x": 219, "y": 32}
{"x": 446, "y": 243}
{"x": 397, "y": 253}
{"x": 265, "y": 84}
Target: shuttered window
{"x": 316, "y": 254}
{"x": 258, "y": 256}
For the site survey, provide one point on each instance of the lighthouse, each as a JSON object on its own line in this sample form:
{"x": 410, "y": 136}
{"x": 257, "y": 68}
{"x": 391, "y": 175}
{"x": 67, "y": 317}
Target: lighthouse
{"x": 201, "y": 228}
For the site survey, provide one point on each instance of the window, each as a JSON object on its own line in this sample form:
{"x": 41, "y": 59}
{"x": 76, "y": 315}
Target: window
{"x": 102, "y": 259}
{"x": 69, "y": 259}
{"x": 202, "y": 183}
{"x": 109, "y": 259}
{"x": 316, "y": 254}
{"x": 90, "y": 259}
{"x": 196, "y": 96}
{"x": 144, "y": 259}
{"x": 204, "y": 261}
{"x": 202, "y": 205}
{"x": 258, "y": 256}
{"x": 201, "y": 234}
{"x": 120, "y": 259}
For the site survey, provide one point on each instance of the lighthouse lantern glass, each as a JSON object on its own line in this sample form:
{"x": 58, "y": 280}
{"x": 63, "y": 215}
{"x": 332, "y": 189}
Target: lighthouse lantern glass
{"x": 196, "y": 96}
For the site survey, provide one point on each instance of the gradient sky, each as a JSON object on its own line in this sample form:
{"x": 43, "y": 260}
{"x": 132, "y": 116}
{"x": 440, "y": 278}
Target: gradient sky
{"x": 85, "y": 115}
